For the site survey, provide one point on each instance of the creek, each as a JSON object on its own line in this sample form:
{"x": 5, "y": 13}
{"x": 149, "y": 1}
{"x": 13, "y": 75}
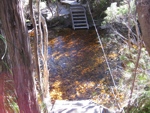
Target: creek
{"x": 77, "y": 65}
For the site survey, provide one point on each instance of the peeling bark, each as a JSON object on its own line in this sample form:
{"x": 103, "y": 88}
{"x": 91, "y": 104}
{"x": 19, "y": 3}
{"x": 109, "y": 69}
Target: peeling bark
{"x": 2, "y": 108}
{"x": 143, "y": 10}
{"x": 46, "y": 94}
{"x": 19, "y": 51}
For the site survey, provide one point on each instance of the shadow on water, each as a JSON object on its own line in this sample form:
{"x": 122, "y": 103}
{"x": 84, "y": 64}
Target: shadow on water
{"x": 76, "y": 64}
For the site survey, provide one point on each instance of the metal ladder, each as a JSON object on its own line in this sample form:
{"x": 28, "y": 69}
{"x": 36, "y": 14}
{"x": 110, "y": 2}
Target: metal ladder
{"x": 78, "y": 16}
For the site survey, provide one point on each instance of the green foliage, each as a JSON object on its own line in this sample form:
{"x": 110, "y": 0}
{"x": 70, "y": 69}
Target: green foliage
{"x": 118, "y": 13}
{"x": 130, "y": 65}
{"x": 10, "y": 97}
{"x": 143, "y": 104}
{"x": 11, "y": 105}
{"x": 142, "y": 77}
{"x": 128, "y": 58}
{"x": 111, "y": 12}
{"x": 98, "y": 8}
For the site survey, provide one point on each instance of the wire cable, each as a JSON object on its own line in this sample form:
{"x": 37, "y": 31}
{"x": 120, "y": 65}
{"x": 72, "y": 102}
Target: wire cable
{"x": 104, "y": 56}
{"x": 102, "y": 46}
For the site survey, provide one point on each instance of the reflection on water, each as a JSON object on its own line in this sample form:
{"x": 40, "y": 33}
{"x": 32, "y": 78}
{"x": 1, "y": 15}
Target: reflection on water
{"x": 76, "y": 64}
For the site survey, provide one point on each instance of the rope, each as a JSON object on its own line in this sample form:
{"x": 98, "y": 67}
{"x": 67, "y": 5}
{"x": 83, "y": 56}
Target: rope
{"x": 105, "y": 57}
{"x": 102, "y": 47}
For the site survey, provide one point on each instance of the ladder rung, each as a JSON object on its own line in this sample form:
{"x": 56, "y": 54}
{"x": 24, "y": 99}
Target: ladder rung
{"x": 78, "y": 14}
{"x": 79, "y": 24}
{"x": 78, "y": 17}
{"x": 81, "y": 27}
{"x": 79, "y": 20}
{"x": 77, "y": 10}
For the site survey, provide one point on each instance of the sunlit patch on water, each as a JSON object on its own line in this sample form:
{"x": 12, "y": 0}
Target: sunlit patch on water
{"x": 76, "y": 64}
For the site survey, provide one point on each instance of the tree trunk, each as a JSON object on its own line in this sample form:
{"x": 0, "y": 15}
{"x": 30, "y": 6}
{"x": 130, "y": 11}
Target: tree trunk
{"x": 2, "y": 74}
{"x": 19, "y": 52}
{"x": 143, "y": 10}
{"x": 2, "y": 108}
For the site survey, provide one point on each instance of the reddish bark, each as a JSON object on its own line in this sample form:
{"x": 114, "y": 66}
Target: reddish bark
{"x": 143, "y": 9}
{"x": 19, "y": 54}
{"x": 2, "y": 108}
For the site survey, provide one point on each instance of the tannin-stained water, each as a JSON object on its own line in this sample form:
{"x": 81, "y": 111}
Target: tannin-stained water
{"x": 76, "y": 64}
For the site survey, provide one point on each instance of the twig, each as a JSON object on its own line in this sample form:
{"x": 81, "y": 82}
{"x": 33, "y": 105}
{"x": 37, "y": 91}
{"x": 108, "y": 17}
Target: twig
{"x": 121, "y": 36}
{"x": 134, "y": 75}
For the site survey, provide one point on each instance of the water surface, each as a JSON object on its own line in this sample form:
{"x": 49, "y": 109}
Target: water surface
{"x": 76, "y": 64}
